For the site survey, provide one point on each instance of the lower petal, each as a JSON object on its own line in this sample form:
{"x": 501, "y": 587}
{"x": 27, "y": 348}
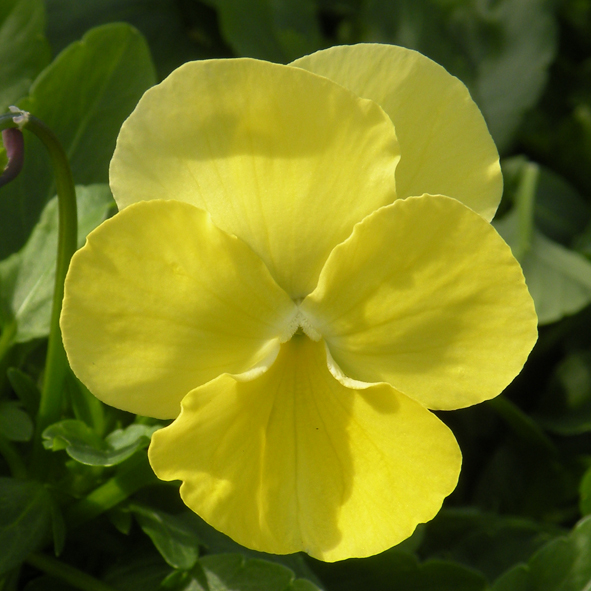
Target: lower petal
{"x": 294, "y": 460}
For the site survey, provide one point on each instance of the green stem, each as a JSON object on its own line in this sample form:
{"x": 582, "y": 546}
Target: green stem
{"x": 134, "y": 475}
{"x": 56, "y": 363}
{"x": 6, "y": 352}
{"x": 6, "y": 340}
{"x": 65, "y": 572}
{"x": 526, "y": 196}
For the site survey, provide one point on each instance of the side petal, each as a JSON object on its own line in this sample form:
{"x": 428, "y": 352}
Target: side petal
{"x": 286, "y": 160}
{"x": 425, "y": 295}
{"x": 445, "y": 145}
{"x": 160, "y": 301}
{"x": 296, "y": 461}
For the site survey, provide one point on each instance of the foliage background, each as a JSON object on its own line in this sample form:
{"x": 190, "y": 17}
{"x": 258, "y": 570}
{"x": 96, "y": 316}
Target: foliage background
{"x": 80, "y": 508}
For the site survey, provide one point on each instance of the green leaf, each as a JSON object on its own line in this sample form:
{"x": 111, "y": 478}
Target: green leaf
{"x": 121, "y": 518}
{"x": 585, "y": 493}
{"x": 129, "y": 477}
{"x": 176, "y": 34}
{"x": 234, "y": 572}
{"x": 560, "y": 211}
{"x": 423, "y": 25}
{"x": 561, "y": 565}
{"x": 275, "y": 31}
{"x": 25, "y": 520}
{"x": 85, "y": 446}
{"x": 400, "y": 571}
{"x": 24, "y": 52}
{"x": 73, "y": 436}
{"x": 516, "y": 579}
{"x": 27, "y": 277}
{"x": 135, "y": 435}
{"x": 218, "y": 543}
{"x": 25, "y": 388}
{"x": 139, "y": 570}
{"x": 173, "y": 536}
{"x": 303, "y": 585}
{"x": 514, "y": 69}
{"x": 15, "y": 423}
{"x": 517, "y": 479}
{"x": 487, "y": 542}
{"x": 565, "y": 407}
{"x": 558, "y": 279}
{"x": 83, "y": 96}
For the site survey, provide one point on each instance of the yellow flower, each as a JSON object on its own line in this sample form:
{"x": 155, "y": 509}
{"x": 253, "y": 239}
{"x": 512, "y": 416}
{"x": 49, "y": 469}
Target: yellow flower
{"x": 286, "y": 274}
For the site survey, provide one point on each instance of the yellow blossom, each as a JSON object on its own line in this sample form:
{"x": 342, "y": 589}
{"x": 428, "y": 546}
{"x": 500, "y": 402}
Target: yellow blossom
{"x": 301, "y": 269}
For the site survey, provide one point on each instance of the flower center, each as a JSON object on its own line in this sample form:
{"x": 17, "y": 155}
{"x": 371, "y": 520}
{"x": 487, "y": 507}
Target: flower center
{"x": 300, "y": 324}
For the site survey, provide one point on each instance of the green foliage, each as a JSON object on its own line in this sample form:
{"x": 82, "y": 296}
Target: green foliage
{"x": 74, "y": 97}
{"x": 565, "y": 407}
{"x": 25, "y": 520}
{"x": 274, "y": 31}
{"x": 559, "y": 279}
{"x": 561, "y": 565}
{"x": 401, "y": 571}
{"x": 487, "y": 542}
{"x": 23, "y": 49}
{"x": 25, "y": 389}
{"x": 15, "y": 423}
{"x": 84, "y": 445}
{"x": 226, "y": 572}
{"x": 176, "y": 35}
{"x": 175, "y": 539}
{"x": 80, "y": 507}
{"x": 27, "y": 277}
{"x": 585, "y": 490}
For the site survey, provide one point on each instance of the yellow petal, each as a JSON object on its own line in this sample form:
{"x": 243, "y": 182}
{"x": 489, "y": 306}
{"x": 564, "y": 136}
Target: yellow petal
{"x": 160, "y": 301}
{"x": 286, "y": 160}
{"x": 426, "y": 296}
{"x": 294, "y": 460}
{"x": 445, "y": 145}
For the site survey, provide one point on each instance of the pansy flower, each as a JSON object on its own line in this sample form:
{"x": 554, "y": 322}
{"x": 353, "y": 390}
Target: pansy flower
{"x": 303, "y": 268}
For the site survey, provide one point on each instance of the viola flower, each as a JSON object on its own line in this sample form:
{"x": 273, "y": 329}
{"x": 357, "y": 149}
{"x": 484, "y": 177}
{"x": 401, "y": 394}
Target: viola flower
{"x": 303, "y": 268}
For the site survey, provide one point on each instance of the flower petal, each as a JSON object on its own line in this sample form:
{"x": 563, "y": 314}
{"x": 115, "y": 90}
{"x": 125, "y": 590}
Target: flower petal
{"x": 160, "y": 301}
{"x": 286, "y": 160}
{"x": 426, "y": 296}
{"x": 294, "y": 460}
{"x": 445, "y": 145}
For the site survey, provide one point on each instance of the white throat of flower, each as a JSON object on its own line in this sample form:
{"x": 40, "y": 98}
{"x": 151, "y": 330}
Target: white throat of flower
{"x": 297, "y": 324}
{"x": 300, "y": 322}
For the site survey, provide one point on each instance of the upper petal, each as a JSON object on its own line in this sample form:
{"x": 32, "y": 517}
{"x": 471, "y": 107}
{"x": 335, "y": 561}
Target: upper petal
{"x": 445, "y": 145}
{"x": 426, "y": 296}
{"x": 160, "y": 301}
{"x": 286, "y": 160}
{"x": 294, "y": 460}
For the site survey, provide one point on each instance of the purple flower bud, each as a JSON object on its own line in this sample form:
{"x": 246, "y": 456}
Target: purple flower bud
{"x": 15, "y": 150}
